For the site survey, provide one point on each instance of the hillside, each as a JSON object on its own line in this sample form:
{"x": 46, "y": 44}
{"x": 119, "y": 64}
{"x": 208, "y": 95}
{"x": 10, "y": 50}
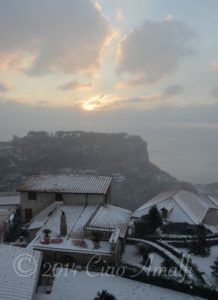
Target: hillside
{"x": 135, "y": 178}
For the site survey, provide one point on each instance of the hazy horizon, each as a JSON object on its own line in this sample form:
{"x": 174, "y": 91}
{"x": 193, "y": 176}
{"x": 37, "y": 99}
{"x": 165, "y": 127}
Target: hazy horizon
{"x": 189, "y": 155}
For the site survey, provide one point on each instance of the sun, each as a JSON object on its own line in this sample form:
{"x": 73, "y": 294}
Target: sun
{"x": 89, "y": 106}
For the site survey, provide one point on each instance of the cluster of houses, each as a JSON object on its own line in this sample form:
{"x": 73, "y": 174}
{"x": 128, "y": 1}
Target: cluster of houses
{"x": 70, "y": 218}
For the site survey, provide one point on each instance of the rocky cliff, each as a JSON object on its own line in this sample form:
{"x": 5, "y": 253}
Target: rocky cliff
{"x": 125, "y": 157}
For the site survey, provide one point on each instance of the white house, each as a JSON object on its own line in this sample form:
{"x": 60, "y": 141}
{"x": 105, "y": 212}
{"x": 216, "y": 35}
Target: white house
{"x": 183, "y": 206}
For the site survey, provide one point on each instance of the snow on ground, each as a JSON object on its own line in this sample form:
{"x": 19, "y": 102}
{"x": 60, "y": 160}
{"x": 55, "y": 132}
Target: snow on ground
{"x": 204, "y": 263}
{"x": 84, "y": 286}
{"x": 156, "y": 260}
{"x": 132, "y": 256}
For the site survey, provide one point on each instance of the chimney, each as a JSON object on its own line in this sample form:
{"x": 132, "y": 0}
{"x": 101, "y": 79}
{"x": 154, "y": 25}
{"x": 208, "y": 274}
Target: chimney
{"x": 63, "y": 224}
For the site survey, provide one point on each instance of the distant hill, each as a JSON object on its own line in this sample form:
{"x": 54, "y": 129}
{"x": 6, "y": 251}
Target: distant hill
{"x": 125, "y": 157}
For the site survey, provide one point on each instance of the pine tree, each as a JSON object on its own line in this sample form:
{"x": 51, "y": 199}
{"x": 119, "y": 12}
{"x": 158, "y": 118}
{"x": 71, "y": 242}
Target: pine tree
{"x": 199, "y": 246}
{"x": 148, "y": 224}
{"x": 154, "y": 218}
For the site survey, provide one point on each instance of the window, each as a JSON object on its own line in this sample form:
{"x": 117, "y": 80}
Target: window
{"x": 58, "y": 197}
{"x": 32, "y": 196}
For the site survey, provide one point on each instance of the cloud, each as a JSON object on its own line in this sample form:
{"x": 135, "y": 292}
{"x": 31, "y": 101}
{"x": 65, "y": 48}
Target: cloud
{"x": 66, "y": 36}
{"x": 134, "y": 81}
{"x": 170, "y": 18}
{"x": 214, "y": 92}
{"x": 155, "y": 50}
{"x": 214, "y": 66}
{"x": 43, "y": 117}
{"x": 120, "y": 15}
{"x": 111, "y": 102}
{"x": 73, "y": 85}
{"x": 173, "y": 90}
{"x": 3, "y": 88}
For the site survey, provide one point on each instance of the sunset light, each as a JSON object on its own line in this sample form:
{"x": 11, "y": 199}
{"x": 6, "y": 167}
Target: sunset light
{"x": 89, "y": 106}
{"x": 108, "y": 149}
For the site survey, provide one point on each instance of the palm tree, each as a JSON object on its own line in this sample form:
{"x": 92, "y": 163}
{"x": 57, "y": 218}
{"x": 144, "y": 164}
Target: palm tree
{"x": 104, "y": 295}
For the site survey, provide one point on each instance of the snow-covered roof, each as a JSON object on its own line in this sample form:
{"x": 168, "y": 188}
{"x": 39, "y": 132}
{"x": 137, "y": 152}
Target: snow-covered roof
{"x": 66, "y": 183}
{"x": 14, "y": 282}
{"x": 194, "y": 205}
{"x": 156, "y": 200}
{"x": 9, "y": 200}
{"x": 76, "y": 216}
{"x": 40, "y": 219}
{"x": 111, "y": 217}
{"x": 80, "y": 218}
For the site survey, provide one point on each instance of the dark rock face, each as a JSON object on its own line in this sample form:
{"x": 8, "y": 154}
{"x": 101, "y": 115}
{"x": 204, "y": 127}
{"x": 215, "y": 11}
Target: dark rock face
{"x": 135, "y": 178}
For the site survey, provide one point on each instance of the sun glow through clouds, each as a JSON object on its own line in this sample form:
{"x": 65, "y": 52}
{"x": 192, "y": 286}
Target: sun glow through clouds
{"x": 89, "y": 106}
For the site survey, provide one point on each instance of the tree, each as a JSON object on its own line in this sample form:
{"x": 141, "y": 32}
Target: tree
{"x": 47, "y": 236}
{"x": 141, "y": 227}
{"x": 168, "y": 264}
{"x": 148, "y": 224}
{"x": 199, "y": 245}
{"x": 154, "y": 218}
{"x": 104, "y": 295}
{"x": 214, "y": 268}
{"x": 46, "y": 232}
{"x": 145, "y": 251}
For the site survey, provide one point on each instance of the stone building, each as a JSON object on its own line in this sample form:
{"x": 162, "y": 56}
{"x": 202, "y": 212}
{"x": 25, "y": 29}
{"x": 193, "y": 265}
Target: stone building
{"x": 39, "y": 191}
{"x": 70, "y": 215}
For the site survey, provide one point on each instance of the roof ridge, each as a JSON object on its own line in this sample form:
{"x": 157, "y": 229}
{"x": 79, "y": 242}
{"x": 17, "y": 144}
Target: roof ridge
{"x": 187, "y": 211}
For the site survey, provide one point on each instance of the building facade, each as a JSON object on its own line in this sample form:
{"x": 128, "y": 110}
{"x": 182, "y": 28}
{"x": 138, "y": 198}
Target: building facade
{"x": 38, "y": 192}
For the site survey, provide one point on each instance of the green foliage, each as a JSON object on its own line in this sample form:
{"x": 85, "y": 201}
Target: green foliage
{"x": 154, "y": 217}
{"x": 148, "y": 224}
{"x": 104, "y": 295}
{"x": 199, "y": 246}
{"x": 214, "y": 268}
{"x": 46, "y": 232}
{"x": 168, "y": 264}
{"x": 180, "y": 228}
{"x": 144, "y": 251}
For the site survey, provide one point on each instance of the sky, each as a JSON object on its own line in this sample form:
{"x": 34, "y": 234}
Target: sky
{"x": 147, "y": 67}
